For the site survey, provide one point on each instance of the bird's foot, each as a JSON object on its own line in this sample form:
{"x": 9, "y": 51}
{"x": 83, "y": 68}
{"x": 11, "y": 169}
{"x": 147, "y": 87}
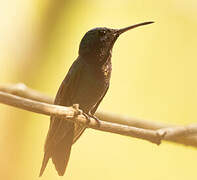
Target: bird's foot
{"x": 96, "y": 119}
{"x": 88, "y": 116}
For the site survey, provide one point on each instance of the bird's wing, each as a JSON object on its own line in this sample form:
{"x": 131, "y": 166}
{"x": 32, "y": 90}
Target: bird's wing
{"x": 79, "y": 129}
{"x": 64, "y": 97}
{"x": 61, "y": 133}
{"x": 93, "y": 110}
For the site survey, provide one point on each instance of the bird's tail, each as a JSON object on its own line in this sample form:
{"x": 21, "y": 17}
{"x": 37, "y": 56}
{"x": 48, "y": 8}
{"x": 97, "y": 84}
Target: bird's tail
{"x": 44, "y": 163}
{"x": 59, "y": 154}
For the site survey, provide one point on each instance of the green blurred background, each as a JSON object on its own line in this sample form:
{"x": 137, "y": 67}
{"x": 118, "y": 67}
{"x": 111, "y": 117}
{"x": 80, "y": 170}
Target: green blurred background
{"x": 154, "y": 77}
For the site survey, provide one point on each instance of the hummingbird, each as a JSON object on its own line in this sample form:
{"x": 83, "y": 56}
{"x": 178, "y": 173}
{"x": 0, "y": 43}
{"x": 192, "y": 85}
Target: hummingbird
{"x": 86, "y": 84}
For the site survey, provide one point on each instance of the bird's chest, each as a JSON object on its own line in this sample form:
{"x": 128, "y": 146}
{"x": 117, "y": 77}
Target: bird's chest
{"x": 95, "y": 82}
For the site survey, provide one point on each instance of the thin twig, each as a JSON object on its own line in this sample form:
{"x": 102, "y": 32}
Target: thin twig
{"x": 22, "y": 90}
{"x": 178, "y": 131}
{"x": 70, "y": 113}
{"x": 179, "y": 134}
{"x": 188, "y": 139}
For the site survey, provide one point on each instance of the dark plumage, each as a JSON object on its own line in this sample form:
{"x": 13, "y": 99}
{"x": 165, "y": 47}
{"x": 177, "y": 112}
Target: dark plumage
{"x": 85, "y": 84}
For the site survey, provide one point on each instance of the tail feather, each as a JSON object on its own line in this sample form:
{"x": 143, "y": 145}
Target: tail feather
{"x": 44, "y": 163}
{"x": 60, "y": 156}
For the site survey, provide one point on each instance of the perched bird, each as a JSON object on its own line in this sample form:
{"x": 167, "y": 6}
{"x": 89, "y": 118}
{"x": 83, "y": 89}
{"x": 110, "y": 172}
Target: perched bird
{"x": 85, "y": 84}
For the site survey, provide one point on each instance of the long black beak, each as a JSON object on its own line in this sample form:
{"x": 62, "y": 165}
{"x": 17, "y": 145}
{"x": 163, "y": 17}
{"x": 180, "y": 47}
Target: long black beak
{"x": 120, "y": 31}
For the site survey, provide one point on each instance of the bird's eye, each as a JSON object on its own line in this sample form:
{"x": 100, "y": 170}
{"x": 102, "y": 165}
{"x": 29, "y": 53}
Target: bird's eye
{"x": 102, "y": 33}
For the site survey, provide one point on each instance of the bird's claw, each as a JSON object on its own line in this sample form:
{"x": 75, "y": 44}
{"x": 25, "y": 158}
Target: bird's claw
{"x": 96, "y": 119}
{"x": 88, "y": 116}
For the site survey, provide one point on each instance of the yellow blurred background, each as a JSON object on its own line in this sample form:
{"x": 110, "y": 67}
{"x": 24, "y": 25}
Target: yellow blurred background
{"x": 154, "y": 77}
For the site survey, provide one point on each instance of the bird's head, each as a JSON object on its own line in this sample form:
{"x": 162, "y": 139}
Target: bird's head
{"x": 98, "y": 42}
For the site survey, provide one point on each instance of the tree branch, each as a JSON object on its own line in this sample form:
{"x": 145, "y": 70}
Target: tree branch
{"x": 73, "y": 114}
{"x": 118, "y": 124}
{"x": 185, "y": 138}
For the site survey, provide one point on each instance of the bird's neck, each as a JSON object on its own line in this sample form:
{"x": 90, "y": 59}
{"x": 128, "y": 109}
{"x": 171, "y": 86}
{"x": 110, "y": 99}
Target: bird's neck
{"x": 98, "y": 59}
{"x": 100, "y": 69}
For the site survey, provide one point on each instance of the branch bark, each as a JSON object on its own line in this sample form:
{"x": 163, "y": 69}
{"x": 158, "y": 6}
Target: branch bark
{"x": 119, "y": 124}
